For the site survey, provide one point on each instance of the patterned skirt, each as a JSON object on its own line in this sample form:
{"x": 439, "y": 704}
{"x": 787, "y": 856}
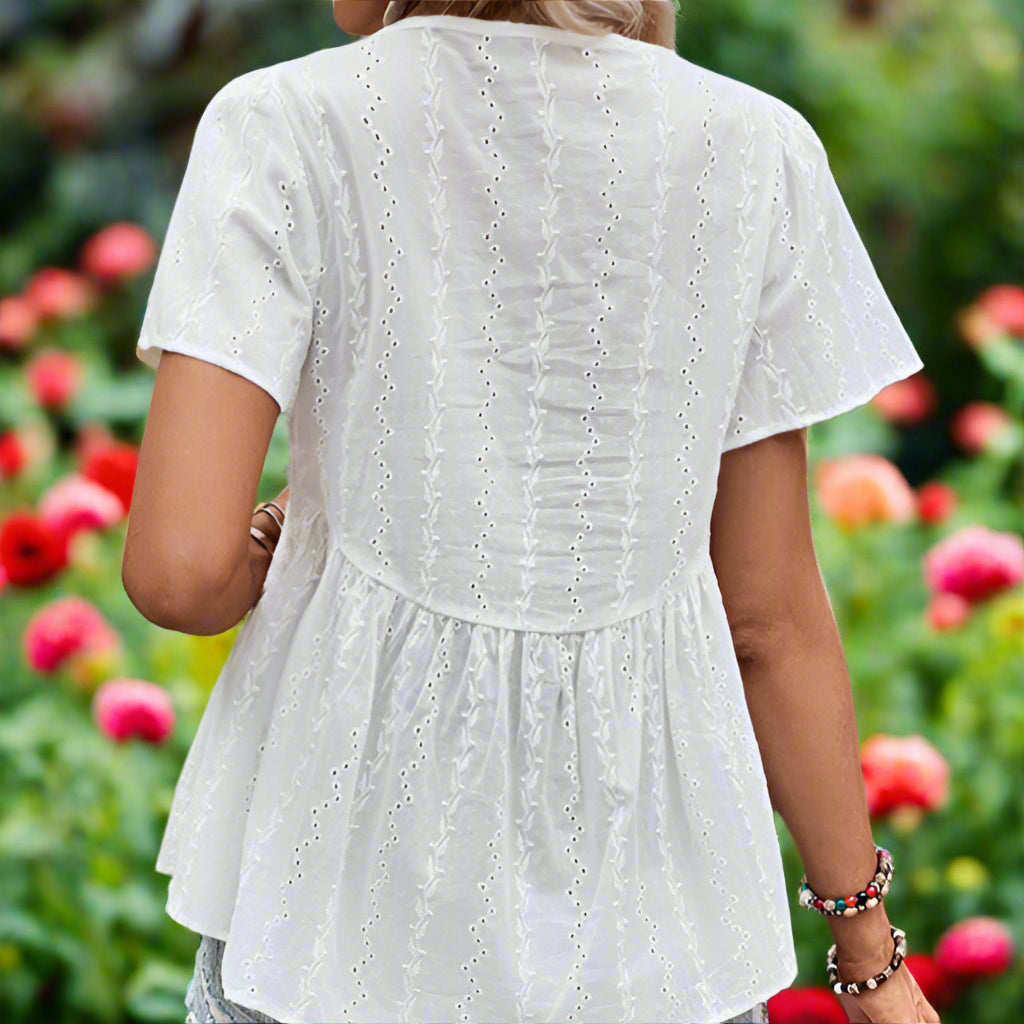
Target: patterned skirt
{"x": 206, "y": 1002}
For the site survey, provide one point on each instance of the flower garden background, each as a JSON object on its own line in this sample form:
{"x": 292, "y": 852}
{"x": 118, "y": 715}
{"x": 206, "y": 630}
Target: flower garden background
{"x": 918, "y": 498}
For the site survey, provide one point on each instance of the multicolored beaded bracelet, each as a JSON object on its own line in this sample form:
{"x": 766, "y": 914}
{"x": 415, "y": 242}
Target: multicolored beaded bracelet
{"x": 847, "y": 906}
{"x": 899, "y": 939}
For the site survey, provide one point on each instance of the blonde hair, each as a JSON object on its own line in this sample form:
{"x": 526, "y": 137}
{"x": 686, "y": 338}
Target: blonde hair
{"x": 651, "y": 21}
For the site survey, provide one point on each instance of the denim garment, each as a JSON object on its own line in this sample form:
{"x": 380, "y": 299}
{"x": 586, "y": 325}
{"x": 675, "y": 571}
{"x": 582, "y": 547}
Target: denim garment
{"x": 206, "y": 1002}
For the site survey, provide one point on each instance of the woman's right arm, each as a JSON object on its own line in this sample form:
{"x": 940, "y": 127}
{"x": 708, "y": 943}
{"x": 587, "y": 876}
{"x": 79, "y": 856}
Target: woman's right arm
{"x": 798, "y": 694}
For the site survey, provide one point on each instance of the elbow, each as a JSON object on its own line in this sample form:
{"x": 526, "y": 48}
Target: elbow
{"x": 168, "y": 599}
{"x": 163, "y": 606}
{"x": 762, "y": 641}
{"x": 801, "y": 620}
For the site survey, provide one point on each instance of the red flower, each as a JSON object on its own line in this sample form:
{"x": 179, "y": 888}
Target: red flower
{"x": 906, "y": 401}
{"x": 806, "y": 1006}
{"x": 12, "y": 454}
{"x": 113, "y": 466}
{"x": 118, "y": 251}
{"x": 903, "y": 771}
{"x": 30, "y": 552}
{"x": 939, "y": 988}
{"x": 935, "y": 501}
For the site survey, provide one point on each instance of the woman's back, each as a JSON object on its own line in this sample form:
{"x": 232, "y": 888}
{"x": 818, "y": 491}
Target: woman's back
{"x": 482, "y": 747}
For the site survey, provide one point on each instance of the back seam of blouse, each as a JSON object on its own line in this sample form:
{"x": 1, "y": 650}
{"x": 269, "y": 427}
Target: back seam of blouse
{"x": 699, "y": 568}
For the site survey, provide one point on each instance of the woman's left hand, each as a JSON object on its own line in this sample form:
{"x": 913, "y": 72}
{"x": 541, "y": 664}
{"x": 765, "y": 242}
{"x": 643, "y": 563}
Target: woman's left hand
{"x": 266, "y": 522}
{"x": 259, "y": 563}
{"x": 282, "y": 498}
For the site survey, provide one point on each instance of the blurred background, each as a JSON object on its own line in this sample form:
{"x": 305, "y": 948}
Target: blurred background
{"x": 918, "y": 497}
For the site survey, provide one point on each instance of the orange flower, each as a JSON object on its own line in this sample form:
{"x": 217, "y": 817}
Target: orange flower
{"x": 861, "y": 489}
{"x": 948, "y": 611}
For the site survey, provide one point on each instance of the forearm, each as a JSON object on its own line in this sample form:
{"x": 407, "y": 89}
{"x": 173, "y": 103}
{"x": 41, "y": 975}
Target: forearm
{"x": 800, "y": 702}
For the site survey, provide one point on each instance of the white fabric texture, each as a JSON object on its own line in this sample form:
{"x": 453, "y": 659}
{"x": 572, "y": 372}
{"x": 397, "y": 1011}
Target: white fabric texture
{"x": 481, "y": 751}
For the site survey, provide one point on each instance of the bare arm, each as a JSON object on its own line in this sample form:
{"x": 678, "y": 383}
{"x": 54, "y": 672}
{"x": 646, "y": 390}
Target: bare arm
{"x": 795, "y": 679}
{"x": 189, "y": 563}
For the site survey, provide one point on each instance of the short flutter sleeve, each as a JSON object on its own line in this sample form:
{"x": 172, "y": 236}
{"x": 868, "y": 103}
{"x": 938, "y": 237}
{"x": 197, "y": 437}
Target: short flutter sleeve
{"x": 825, "y": 338}
{"x": 233, "y": 284}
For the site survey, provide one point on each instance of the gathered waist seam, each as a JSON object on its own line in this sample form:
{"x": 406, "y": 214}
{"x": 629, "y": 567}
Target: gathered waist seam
{"x": 699, "y": 566}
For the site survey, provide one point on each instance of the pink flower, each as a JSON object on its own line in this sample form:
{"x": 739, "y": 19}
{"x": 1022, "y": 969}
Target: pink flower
{"x": 997, "y": 312}
{"x": 977, "y": 425}
{"x": 975, "y": 948}
{"x": 76, "y": 503}
{"x": 133, "y": 707}
{"x": 806, "y": 1006}
{"x": 975, "y": 562}
{"x": 62, "y": 628}
{"x": 54, "y": 376}
{"x": 1004, "y": 303}
{"x": 57, "y": 293}
{"x": 906, "y": 401}
{"x": 118, "y": 251}
{"x": 18, "y": 322}
{"x": 935, "y": 501}
{"x": 903, "y": 771}
{"x": 947, "y": 611}
{"x": 860, "y": 489}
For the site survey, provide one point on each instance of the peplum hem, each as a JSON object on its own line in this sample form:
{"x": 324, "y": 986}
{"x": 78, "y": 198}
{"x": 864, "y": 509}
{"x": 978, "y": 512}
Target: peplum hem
{"x": 389, "y": 813}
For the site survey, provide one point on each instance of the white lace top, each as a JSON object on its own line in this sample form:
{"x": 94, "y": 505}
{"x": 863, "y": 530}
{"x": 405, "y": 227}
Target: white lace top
{"x": 481, "y": 751}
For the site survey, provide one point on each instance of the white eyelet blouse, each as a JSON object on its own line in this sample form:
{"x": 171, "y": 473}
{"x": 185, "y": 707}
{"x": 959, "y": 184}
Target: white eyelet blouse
{"x": 481, "y": 751}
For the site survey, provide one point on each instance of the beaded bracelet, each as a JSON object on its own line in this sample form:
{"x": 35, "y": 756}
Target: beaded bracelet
{"x": 853, "y": 988}
{"x": 847, "y": 906}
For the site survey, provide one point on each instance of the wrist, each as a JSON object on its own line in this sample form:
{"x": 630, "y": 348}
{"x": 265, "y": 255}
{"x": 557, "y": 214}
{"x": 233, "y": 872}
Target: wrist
{"x": 864, "y": 965}
{"x": 864, "y": 937}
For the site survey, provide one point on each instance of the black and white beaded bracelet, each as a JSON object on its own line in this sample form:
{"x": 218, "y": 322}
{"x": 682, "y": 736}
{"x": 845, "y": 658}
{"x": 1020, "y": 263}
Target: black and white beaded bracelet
{"x": 899, "y": 939}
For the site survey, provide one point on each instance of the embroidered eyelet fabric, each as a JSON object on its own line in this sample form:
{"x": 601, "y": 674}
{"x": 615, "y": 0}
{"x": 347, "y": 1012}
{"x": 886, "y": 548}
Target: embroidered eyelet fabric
{"x": 481, "y": 751}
